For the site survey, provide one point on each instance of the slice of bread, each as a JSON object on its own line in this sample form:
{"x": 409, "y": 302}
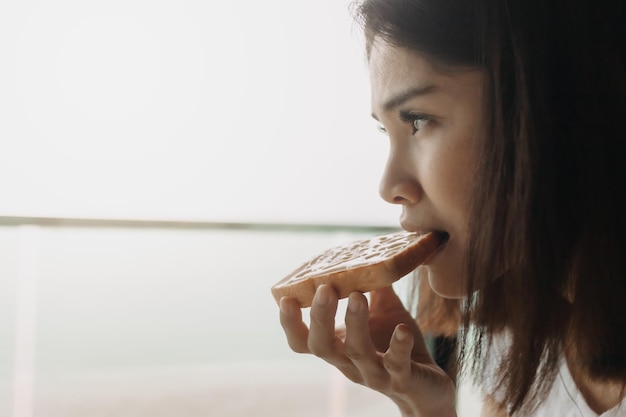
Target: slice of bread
{"x": 363, "y": 266}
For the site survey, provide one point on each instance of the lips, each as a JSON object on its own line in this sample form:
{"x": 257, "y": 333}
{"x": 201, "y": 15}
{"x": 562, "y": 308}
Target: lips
{"x": 442, "y": 238}
{"x": 441, "y": 235}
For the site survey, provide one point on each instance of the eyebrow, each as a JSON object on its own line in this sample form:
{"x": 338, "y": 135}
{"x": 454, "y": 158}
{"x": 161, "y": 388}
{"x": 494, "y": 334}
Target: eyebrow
{"x": 401, "y": 98}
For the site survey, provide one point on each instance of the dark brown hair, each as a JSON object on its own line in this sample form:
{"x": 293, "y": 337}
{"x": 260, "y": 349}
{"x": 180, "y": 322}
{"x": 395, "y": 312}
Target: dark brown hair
{"x": 547, "y": 255}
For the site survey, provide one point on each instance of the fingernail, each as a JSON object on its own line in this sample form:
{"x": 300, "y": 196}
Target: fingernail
{"x": 321, "y": 297}
{"x": 284, "y": 306}
{"x": 401, "y": 334}
{"x": 353, "y": 304}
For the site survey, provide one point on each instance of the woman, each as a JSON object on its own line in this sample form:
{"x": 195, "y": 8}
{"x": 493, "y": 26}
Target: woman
{"x": 506, "y": 122}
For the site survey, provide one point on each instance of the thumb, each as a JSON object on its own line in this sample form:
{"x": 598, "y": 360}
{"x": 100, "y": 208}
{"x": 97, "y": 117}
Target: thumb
{"x": 385, "y": 299}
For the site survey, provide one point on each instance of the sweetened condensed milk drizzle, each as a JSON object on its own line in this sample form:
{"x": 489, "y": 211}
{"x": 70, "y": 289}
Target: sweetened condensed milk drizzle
{"x": 355, "y": 254}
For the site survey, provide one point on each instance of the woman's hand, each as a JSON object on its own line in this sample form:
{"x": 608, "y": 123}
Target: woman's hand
{"x": 380, "y": 347}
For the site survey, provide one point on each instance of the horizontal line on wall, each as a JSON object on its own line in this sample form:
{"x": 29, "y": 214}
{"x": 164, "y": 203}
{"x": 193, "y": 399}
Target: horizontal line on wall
{"x": 185, "y": 224}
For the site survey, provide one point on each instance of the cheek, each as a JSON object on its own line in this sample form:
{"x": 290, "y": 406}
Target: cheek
{"x": 450, "y": 176}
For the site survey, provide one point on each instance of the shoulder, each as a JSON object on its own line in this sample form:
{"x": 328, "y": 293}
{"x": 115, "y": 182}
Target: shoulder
{"x": 562, "y": 398}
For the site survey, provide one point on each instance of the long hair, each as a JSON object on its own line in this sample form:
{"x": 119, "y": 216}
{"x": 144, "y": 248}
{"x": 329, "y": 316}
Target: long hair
{"x": 547, "y": 256}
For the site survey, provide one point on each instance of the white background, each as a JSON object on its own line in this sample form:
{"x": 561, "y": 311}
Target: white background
{"x": 187, "y": 109}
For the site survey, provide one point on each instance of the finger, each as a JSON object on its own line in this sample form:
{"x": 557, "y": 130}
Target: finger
{"x": 397, "y": 359}
{"x": 291, "y": 320}
{"x": 414, "y": 379}
{"x": 359, "y": 347}
{"x": 386, "y": 299}
{"x": 358, "y": 343}
{"x": 323, "y": 341}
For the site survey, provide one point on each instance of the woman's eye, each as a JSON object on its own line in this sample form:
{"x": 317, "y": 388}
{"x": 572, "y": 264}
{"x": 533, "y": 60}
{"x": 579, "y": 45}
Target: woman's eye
{"x": 417, "y": 121}
{"x": 420, "y": 122}
{"x": 381, "y": 129}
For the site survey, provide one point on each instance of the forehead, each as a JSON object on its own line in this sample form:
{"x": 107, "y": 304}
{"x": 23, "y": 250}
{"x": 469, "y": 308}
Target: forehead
{"x": 394, "y": 70}
{"x": 391, "y": 66}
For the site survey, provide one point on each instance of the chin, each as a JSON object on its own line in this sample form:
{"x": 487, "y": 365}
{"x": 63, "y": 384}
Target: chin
{"x": 446, "y": 285}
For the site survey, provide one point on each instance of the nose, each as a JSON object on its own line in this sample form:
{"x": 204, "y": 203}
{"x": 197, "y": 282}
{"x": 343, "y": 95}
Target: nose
{"x": 399, "y": 184}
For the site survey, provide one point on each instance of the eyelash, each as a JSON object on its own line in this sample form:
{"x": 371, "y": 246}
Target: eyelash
{"x": 413, "y": 119}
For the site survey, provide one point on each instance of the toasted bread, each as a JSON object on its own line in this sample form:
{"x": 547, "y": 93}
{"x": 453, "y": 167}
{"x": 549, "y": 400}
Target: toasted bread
{"x": 363, "y": 266}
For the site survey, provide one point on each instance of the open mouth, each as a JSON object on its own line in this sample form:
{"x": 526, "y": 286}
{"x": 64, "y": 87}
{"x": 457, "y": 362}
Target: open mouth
{"x": 443, "y": 238}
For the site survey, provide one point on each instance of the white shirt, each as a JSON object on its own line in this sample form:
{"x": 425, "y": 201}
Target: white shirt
{"x": 564, "y": 398}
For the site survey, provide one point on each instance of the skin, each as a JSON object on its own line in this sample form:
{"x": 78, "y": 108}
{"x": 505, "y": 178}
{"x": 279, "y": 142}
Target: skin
{"x": 430, "y": 171}
{"x": 433, "y": 121}
{"x": 379, "y": 347}
{"x": 433, "y": 118}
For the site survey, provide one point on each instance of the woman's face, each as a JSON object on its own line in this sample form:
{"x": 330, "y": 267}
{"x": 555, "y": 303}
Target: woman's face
{"x": 435, "y": 125}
